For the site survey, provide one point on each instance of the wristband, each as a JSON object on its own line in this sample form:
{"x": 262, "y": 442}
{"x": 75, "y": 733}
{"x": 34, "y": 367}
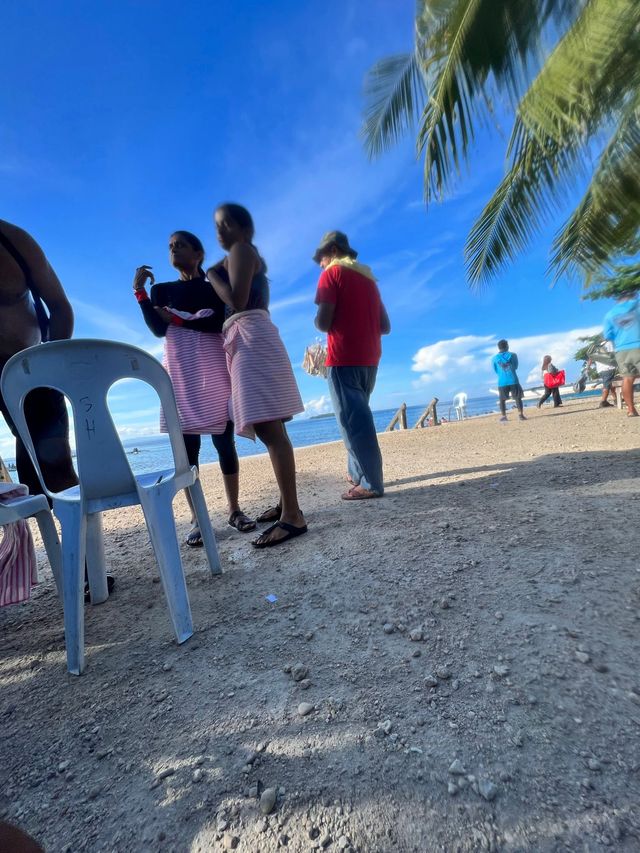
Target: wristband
{"x": 141, "y": 295}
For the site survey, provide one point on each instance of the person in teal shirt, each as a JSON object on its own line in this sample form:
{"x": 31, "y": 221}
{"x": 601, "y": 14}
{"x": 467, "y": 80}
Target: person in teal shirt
{"x": 622, "y": 328}
{"x": 505, "y": 364}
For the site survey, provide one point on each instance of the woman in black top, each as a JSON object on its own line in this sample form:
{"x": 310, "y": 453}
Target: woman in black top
{"x": 189, "y": 315}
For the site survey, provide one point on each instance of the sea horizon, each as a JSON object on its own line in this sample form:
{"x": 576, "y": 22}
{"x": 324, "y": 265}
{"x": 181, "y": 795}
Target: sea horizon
{"x": 153, "y": 453}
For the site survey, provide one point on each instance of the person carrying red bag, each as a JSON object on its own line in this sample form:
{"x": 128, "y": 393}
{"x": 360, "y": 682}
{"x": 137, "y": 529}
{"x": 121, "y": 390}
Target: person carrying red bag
{"x": 552, "y": 379}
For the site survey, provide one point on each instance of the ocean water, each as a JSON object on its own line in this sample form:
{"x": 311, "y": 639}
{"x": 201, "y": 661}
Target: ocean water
{"x": 153, "y": 453}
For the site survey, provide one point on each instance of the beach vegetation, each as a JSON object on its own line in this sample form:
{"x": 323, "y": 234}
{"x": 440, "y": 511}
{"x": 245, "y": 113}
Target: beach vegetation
{"x": 567, "y": 73}
{"x": 620, "y": 281}
{"x": 583, "y": 354}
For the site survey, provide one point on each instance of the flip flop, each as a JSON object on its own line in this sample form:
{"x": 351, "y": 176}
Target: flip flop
{"x": 239, "y": 521}
{"x": 358, "y": 493}
{"x": 194, "y": 539}
{"x": 289, "y": 529}
{"x": 271, "y": 514}
{"x": 633, "y": 415}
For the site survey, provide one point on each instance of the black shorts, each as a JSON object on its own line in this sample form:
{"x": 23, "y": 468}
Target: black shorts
{"x": 513, "y": 391}
{"x": 46, "y": 415}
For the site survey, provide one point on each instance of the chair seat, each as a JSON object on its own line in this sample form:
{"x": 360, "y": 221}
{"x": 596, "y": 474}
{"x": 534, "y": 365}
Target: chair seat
{"x": 21, "y": 507}
{"x": 146, "y": 481}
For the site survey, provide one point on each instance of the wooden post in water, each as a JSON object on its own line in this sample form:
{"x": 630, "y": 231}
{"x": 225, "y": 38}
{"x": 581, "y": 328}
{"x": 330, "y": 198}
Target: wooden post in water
{"x": 430, "y": 411}
{"x": 399, "y": 418}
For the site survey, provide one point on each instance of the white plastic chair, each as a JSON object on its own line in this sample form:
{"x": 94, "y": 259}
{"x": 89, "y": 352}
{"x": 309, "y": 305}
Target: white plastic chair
{"x": 84, "y": 370}
{"x": 36, "y": 506}
{"x": 460, "y": 405}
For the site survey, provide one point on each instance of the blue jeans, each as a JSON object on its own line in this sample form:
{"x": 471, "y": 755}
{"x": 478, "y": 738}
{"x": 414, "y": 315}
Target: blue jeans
{"x": 350, "y": 389}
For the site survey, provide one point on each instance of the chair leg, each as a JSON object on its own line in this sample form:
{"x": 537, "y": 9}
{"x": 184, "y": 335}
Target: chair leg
{"x": 204, "y": 524}
{"x": 158, "y": 513}
{"x": 96, "y": 566}
{"x": 74, "y": 528}
{"x": 51, "y": 545}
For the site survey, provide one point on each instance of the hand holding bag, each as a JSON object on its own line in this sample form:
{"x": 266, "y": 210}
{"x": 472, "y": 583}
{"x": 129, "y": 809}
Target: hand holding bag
{"x": 554, "y": 380}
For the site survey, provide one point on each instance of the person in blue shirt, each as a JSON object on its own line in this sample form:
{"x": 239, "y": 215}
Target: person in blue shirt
{"x": 505, "y": 364}
{"x": 622, "y": 328}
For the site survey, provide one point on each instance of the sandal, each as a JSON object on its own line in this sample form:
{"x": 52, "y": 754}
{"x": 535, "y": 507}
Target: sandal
{"x": 271, "y": 514}
{"x": 289, "y": 529}
{"x": 194, "y": 539}
{"x": 359, "y": 493}
{"x": 239, "y": 521}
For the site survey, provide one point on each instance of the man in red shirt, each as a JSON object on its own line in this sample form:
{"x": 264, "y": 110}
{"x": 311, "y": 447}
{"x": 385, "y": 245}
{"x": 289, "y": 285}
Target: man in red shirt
{"x": 351, "y": 312}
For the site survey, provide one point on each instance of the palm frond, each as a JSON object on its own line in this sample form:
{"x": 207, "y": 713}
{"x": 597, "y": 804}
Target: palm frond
{"x": 525, "y": 199}
{"x": 606, "y": 223}
{"x": 474, "y": 47}
{"x": 394, "y": 89}
{"x": 589, "y": 74}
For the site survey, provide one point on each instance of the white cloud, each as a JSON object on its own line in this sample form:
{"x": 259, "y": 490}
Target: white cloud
{"x": 321, "y": 406}
{"x": 464, "y": 362}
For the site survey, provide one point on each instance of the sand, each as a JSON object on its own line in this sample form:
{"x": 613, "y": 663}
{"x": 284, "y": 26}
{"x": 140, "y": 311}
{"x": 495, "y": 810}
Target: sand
{"x": 485, "y": 612}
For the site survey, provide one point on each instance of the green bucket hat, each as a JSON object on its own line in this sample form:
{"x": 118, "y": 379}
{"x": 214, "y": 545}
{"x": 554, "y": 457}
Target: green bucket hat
{"x": 337, "y": 238}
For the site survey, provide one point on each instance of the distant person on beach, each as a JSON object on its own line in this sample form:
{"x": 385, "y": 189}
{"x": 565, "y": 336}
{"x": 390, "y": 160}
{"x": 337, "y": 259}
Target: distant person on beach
{"x": 606, "y": 373}
{"x": 189, "y": 315}
{"x": 264, "y": 393}
{"x": 622, "y": 328}
{"x": 505, "y": 364}
{"x": 33, "y": 309}
{"x": 351, "y": 312}
{"x": 549, "y": 369}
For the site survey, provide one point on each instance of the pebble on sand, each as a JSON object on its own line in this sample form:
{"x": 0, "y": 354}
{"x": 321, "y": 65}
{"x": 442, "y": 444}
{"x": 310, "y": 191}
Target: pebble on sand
{"x": 305, "y": 708}
{"x": 268, "y": 800}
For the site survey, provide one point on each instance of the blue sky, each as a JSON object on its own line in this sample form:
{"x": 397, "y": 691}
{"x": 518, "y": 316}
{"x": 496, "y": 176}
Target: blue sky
{"x": 121, "y": 122}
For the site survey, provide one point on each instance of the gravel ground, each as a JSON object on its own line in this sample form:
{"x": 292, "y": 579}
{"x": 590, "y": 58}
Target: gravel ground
{"x": 453, "y": 667}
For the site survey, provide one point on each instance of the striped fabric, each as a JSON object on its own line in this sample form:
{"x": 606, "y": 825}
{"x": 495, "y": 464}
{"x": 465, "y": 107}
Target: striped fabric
{"x": 18, "y": 567}
{"x": 197, "y": 365}
{"x": 263, "y": 387}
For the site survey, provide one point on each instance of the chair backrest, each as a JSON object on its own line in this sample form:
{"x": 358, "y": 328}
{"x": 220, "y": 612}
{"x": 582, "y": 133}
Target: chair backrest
{"x": 84, "y": 371}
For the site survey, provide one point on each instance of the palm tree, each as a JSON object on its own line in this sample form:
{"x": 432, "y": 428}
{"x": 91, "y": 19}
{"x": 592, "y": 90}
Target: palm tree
{"x": 577, "y": 120}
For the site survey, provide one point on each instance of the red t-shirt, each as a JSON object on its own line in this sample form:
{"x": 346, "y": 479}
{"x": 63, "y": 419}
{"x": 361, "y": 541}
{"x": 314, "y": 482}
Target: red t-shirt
{"x": 354, "y": 337}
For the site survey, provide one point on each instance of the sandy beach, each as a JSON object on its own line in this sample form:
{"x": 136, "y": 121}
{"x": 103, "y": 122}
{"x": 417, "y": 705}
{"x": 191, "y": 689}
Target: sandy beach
{"x": 468, "y": 644}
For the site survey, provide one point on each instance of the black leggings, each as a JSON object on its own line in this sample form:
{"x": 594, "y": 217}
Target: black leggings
{"x": 551, "y": 392}
{"x": 224, "y": 445}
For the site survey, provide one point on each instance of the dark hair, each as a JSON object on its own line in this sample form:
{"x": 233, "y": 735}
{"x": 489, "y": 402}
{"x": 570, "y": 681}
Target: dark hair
{"x": 243, "y": 218}
{"x": 546, "y": 361}
{"x": 503, "y": 345}
{"x": 240, "y": 216}
{"x": 194, "y": 242}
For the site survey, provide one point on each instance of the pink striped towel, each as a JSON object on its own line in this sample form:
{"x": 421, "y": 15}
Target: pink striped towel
{"x": 196, "y": 363}
{"x": 263, "y": 387}
{"x": 18, "y": 566}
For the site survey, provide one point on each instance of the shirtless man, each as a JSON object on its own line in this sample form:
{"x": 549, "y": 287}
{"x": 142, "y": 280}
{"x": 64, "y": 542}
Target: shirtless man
{"x": 24, "y": 267}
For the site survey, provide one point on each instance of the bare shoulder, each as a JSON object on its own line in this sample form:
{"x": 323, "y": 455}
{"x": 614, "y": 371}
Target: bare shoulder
{"x": 244, "y": 252}
{"x": 24, "y": 243}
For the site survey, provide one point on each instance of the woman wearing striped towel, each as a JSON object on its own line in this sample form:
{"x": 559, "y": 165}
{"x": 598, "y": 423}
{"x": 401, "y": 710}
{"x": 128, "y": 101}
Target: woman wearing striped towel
{"x": 264, "y": 393}
{"x": 189, "y": 315}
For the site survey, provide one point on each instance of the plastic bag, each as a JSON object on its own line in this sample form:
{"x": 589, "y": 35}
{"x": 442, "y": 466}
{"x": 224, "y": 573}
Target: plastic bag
{"x": 314, "y": 360}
